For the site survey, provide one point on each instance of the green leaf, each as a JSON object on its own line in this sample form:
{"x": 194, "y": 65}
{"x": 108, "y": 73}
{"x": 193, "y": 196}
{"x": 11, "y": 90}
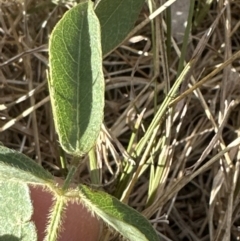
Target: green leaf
{"x": 124, "y": 219}
{"x": 117, "y": 19}
{"x": 15, "y": 166}
{"x": 15, "y": 212}
{"x": 76, "y": 79}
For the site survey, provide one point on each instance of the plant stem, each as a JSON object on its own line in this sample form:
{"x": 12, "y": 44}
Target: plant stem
{"x": 71, "y": 173}
{"x": 95, "y": 177}
{"x": 54, "y": 226}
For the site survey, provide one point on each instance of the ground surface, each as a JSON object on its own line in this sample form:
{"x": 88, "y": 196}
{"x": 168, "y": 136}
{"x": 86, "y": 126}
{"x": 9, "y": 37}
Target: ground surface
{"x": 197, "y": 185}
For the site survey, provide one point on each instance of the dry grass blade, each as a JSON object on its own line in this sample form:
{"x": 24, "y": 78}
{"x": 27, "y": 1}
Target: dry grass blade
{"x": 186, "y": 179}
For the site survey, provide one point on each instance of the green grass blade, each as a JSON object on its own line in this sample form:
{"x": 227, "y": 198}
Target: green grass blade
{"x": 163, "y": 108}
{"x": 186, "y": 37}
{"x": 146, "y": 142}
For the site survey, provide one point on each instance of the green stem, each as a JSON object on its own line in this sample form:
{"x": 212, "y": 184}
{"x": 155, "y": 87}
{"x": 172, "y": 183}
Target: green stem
{"x": 63, "y": 162}
{"x": 94, "y": 174}
{"x": 54, "y": 225}
{"x": 71, "y": 173}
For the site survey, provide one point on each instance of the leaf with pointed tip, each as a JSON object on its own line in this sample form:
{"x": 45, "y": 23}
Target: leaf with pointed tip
{"x": 14, "y": 166}
{"x": 76, "y": 81}
{"x": 117, "y": 18}
{"x": 124, "y": 219}
{"x": 16, "y": 210}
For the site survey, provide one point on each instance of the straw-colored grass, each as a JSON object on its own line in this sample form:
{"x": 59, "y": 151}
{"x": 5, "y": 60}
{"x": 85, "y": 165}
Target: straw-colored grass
{"x": 186, "y": 179}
